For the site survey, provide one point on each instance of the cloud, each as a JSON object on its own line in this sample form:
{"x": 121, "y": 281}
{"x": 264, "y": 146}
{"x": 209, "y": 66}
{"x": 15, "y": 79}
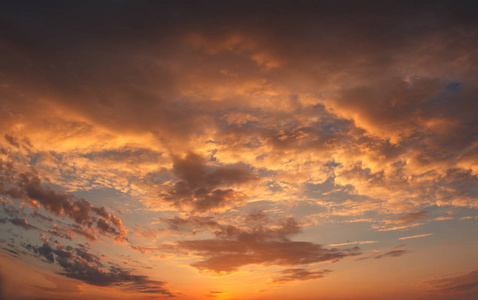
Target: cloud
{"x": 29, "y": 188}
{"x": 453, "y": 285}
{"x": 299, "y": 274}
{"x": 11, "y": 252}
{"x": 353, "y": 243}
{"x": 405, "y": 221}
{"x": 61, "y": 233}
{"x": 443, "y": 218}
{"x": 206, "y": 188}
{"x": 262, "y": 242}
{"x": 394, "y": 252}
{"x": 80, "y": 264}
{"x": 12, "y": 140}
{"x": 415, "y": 236}
{"x": 192, "y": 223}
{"x": 22, "y": 223}
{"x": 187, "y": 107}
{"x": 231, "y": 91}
{"x": 410, "y": 218}
{"x": 213, "y": 294}
{"x": 86, "y": 233}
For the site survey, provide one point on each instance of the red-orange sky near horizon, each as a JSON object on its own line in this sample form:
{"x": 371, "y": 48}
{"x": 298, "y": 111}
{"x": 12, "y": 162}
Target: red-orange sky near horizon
{"x": 266, "y": 150}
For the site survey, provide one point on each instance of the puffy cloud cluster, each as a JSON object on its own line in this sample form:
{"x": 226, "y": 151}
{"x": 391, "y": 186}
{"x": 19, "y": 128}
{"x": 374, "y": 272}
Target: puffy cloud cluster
{"x": 29, "y": 188}
{"x": 204, "y": 188}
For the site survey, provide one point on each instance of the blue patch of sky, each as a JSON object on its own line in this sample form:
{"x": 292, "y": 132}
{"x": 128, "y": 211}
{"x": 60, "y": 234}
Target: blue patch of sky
{"x": 447, "y": 94}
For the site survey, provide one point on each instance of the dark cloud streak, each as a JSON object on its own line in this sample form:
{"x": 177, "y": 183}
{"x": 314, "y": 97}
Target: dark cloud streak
{"x": 79, "y": 263}
{"x": 299, "y": 274}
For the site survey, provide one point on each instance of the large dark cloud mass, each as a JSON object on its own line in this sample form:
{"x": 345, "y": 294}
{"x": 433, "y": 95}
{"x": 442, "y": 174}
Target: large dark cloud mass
{"x": 393, "y": 82}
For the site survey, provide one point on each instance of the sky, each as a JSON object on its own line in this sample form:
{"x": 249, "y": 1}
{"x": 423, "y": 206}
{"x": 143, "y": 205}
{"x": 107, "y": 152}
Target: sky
{"x": 266, "y": 150}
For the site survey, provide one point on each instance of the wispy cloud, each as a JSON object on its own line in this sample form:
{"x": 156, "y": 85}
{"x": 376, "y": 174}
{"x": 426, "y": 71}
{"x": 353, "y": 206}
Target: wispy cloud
{"x": 456, "y": 285}
{"x": 353, "y": 243}
{"x": 415, "y": 236}
{"x": 299, "y": 274}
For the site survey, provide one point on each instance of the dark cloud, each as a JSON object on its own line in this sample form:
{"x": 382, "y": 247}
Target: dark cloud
{"x": 411, "y": 217}
{"x": 299, "y": 274}
{"x": 129, "y": 155}
{"x": 12, "y": 140}
{"x": 12, "y": 252}
{"x": 101, "y": 211}
{"x": 29, "y": 188}
{"x": 41, "y": 217}
{"x": 22, "y": 223}
{"x": 61, "y": 234}
{"x": 392, "y": 253}
{"x": 44, "y": 251}
{"x": 104, "y": 227}
{"x": 77, "y": 229}
{"x": 377, "y": 93}
{"x": 264, "y": 242}
{"x": 9, "y": 208}
{"x": 79, "y": 263}
{"x": 462, "y": 286}
{"x": 206, "y": 188}
{"x": 191, "y": 224}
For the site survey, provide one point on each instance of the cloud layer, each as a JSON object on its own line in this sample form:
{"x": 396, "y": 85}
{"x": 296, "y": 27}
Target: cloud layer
{"x": 236, "y": 137}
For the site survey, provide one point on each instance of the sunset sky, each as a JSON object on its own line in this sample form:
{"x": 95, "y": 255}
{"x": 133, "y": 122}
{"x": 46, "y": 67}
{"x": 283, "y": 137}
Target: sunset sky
{"x": 268, "y": 150}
